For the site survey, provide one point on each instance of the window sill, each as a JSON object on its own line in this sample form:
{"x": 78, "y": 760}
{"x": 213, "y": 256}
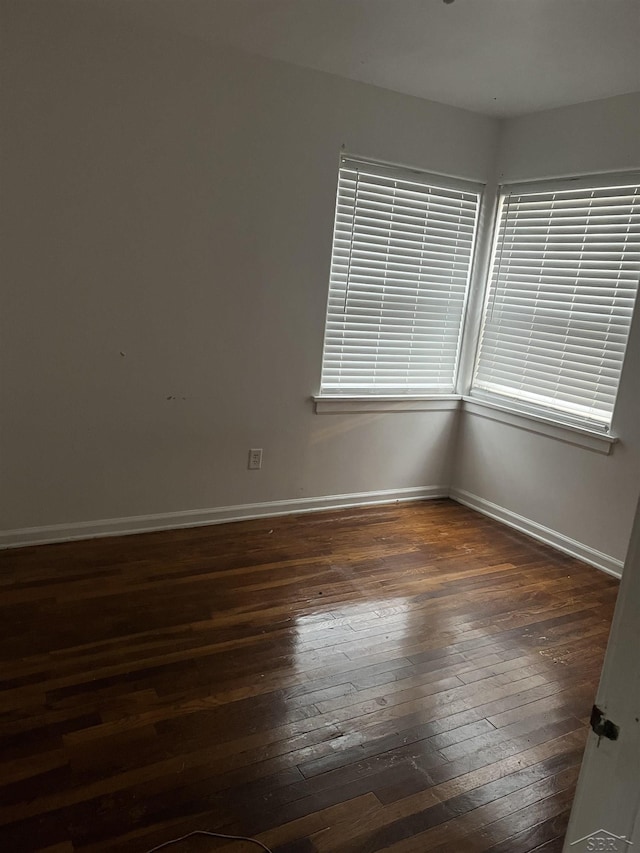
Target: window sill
{"x": 326, "y": 404}
{"x": 580, "y": 436}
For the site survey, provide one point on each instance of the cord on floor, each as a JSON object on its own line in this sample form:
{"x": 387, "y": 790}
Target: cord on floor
{"x": 211, "y": 835}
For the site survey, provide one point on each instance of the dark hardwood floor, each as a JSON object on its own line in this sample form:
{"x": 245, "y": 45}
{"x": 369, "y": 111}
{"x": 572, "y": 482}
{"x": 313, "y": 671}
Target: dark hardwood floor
{"x": 408, "y": 678}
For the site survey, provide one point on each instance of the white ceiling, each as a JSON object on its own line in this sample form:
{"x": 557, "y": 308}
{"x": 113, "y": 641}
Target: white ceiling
{"x": 502, "y": 57}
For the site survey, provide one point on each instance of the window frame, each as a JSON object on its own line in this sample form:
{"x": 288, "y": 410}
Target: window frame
{"x": 545, "y": 420}
{"x": 464, "y": 399}
{"x": 395, "y": 399}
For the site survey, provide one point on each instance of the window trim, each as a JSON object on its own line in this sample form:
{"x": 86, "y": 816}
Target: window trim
{"x": 569, "y": 433}
{"x": 325, "y": 404}
{"x": 600, "y": 442}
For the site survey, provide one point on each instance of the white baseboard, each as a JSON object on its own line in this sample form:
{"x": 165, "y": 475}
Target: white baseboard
{"x": 538, "y": 531}
{"x": 216, "y": 515}
{"x": 220, "y": 515}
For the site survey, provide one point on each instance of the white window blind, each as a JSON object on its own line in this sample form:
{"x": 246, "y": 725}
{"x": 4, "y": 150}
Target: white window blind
{"x": 402, "y": 249}
{"x": 561, "y": 293}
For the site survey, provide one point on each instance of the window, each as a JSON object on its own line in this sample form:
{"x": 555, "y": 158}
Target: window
{"x": 402, "y": 249}
{"x": 563, "y": 281}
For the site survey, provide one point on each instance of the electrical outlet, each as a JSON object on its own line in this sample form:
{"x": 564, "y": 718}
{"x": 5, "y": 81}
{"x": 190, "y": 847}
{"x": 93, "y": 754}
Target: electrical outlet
{"x": 255, "y": 458}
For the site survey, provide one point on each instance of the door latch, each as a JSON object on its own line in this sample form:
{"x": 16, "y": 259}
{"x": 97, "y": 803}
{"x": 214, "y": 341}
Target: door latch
{"x": 603, "y": 727}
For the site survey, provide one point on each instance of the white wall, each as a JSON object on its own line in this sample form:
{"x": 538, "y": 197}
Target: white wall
{"x": 174, "y": 202}
{"x": 578, "y": 493}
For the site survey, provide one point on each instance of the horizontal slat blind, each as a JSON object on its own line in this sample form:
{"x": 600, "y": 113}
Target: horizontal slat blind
{"x": 561, "y": 294}
{"x": 402, "y": 250}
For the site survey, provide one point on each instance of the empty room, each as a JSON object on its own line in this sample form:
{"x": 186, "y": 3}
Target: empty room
{"x": 320, "y": 426}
